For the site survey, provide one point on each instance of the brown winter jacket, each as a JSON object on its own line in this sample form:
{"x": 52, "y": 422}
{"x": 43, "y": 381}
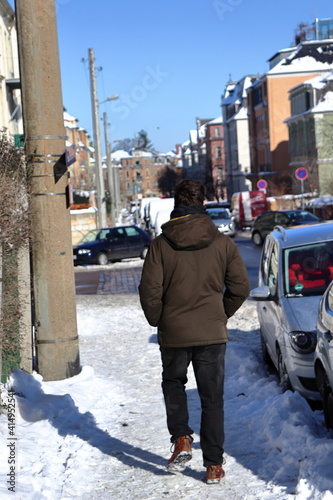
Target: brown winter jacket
{"x": 193, "y": 280}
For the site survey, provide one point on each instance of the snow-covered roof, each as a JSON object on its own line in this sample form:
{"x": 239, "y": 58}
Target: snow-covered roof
{"x": 171, "y": 154}
{"x": 325, "y": 105}
{"x": 70, "y": 125}
{"x": 306, "y": 57}
{"x": 320, "y": 202}
{"x": 317, "y": 82}
{"x": 119, "y": 154}
{"x": 193, "y": 136}
{"x": 215, "y": 121}
{"x": 69, "y": 117}
{"x": 237, "y": 93}
{"x": 241, "y": 114}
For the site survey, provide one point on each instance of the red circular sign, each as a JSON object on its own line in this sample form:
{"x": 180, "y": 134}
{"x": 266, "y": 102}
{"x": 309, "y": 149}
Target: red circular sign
{"x": 262, "y": 184}
{"x": 301, "y": 173}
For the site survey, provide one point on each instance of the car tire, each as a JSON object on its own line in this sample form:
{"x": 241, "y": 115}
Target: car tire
{"x": 144, "y": 252}
{"x": 257, "y": 239}
{"x": 283, "y": 374}
{"x": 326, "y": 395}
{"x": 102, "y": 259}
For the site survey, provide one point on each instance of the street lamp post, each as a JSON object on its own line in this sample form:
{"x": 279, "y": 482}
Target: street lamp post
{"x": 97, "y": 144}
{"x": 111, "y": 176}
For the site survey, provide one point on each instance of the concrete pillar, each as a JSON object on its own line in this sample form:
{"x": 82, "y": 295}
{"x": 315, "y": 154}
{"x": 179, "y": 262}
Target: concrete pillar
{"x": 52, "y": 261}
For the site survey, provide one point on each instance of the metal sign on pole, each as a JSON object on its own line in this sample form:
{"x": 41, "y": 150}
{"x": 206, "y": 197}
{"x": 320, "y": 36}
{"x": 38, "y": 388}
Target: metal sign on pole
{"x": 301, "y": 174}
{"x": 262, "y": 184}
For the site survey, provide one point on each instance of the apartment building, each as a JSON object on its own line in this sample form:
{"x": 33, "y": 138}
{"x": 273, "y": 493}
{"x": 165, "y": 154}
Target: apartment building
{"x": 138, "y": 172}
{"x": 203, "y": 157}
{"x": 11, "y": 120}
{"x": 310, "y": 128}
{"x": 194, "y": 153}
{"x": 236, "y": 135}
{"x": 82, "y": 174}
{"x": 215, "y": 159}
{"x": 269, "y": 106}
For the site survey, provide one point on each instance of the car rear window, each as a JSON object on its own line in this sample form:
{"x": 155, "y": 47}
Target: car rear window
{"x": 218, "y": 214}
{"x": 308, "y": 269}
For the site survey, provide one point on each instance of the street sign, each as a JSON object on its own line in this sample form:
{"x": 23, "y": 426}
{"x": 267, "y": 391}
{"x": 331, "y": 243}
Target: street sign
{"x": 262, "y": 184}
{"x": 301, "y": 173}
{"x": 70, "y": 155}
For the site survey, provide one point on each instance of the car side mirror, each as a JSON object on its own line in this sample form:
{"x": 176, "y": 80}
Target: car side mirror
{"x": 261, "y": 293}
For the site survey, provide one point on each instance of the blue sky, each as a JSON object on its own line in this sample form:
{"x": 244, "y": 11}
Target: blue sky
{"x": 168, "y": 61}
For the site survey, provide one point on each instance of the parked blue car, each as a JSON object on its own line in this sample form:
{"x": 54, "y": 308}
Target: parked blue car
{"x": 111, "y": 244}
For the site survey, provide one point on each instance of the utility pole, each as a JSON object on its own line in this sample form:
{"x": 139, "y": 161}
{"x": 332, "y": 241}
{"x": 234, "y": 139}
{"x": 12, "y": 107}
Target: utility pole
{"x": 56, "y": 338}
{"x": 97, "y": 143}
{"x": 110, "y": 169}
{"x": 116, "y": 192}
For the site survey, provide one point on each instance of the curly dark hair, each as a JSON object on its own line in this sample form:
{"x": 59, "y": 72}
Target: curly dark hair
{"x": 189, "y": 192}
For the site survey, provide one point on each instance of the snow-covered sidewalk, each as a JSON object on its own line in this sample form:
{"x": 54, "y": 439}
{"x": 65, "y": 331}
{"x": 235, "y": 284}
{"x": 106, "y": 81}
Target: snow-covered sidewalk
{"x": 102, "y": 434}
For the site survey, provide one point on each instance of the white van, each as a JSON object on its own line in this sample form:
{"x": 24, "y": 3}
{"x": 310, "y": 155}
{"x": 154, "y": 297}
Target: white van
{"x": 161, "y": 218}
{"x": 153, "y": 207}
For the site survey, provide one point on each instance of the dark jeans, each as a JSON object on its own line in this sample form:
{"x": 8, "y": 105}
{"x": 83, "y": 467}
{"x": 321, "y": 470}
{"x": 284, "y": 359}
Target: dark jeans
{"x": 208, "y": 366}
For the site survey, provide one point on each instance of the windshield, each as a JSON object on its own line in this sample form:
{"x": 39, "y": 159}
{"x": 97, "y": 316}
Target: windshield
{"x": 308, "y": 269}
{"x": 219, "y": 214}
{"x": 298, "y": 216}
{"x": 91, "y": 236}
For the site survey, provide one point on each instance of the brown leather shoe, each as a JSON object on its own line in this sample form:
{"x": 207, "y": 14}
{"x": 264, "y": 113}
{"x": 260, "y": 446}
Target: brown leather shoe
{"x": 214, "y": 474}
{"x": 182, "y": 453}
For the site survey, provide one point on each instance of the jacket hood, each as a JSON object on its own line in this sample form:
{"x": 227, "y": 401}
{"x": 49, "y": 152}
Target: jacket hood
{"x": 190, "y": 232}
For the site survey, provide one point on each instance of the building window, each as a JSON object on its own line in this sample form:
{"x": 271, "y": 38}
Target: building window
{"x": 218, "y": 152}
{"x": 217, "y": 132}
{"x": 257, "y": 95}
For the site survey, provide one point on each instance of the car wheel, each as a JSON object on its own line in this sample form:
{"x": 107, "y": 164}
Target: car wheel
{"x": 257, "y": 239}
{"x": 283, "y": 374}
{"x": 265, "y": 354}
{"x": 102, "y": 259}
{"x": 144, "y": 252}
{"x": 327, "y": 398}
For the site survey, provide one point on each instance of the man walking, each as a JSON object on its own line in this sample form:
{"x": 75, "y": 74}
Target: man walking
{"x": 193, "y": 280}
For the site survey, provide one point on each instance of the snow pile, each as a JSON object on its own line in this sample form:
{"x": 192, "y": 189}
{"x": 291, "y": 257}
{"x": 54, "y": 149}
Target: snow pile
{"x": 102, "y": 434}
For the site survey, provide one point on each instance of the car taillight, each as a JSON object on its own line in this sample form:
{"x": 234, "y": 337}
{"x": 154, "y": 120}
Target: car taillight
{"x": 303, "y": 342}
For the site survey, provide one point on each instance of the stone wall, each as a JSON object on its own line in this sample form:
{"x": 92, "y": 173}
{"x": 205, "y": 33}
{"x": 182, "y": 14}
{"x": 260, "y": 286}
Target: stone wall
{"x": 82, "y": 221}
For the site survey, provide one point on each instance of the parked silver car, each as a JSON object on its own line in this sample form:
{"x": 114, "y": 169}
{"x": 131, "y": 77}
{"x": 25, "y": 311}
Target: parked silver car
{"x": 324, "y": 354}
{"x": 222, "y": 220}
{"x": 296, "y": 268}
